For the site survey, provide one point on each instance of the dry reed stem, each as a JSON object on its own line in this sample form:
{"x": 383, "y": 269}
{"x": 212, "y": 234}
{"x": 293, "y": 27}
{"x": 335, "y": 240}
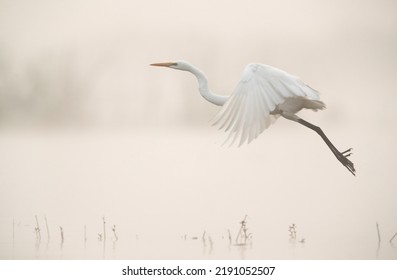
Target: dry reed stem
{"x": 37, "y": 229}
{"x": 48, "y": 230}
{"x": 391, "y": 240}
{"x": 62, "y": 237}
{"x": 104, "y": 228}
{"x": 377, "y": 229}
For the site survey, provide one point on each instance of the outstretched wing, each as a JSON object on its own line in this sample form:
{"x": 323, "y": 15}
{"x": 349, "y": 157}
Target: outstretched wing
{"x": 246, "y": 114}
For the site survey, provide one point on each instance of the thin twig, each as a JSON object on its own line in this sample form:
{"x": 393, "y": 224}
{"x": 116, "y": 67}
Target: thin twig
{"x": 211, "y": 243}
{"x": 13, "y": 232}
{"x": 104, "y": 228}
{"x": 243, "y": 229}
{"x": 292, "y": 231}
{"x": 62, "y": 238}
{"x": 377, "y": 229}
{"x": 114, "y": 233}
{"x": 48, "y": 230}
{"x": 85, "y": 234}
{"x": 391, "y": 240}
{"x": 38, "y": 234}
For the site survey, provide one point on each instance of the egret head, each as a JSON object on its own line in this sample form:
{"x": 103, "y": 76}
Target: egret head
{"x": 179, "y": 65}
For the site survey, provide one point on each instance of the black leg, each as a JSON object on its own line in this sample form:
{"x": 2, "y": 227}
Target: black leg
{"x": 342, "y": 157}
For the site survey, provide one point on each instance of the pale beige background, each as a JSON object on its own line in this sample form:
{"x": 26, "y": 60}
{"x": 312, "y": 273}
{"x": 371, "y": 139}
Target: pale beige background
{"x": 88, "y": 129}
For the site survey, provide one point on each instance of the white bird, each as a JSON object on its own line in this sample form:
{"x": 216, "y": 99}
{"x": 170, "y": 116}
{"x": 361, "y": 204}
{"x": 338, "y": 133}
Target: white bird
{"x": 263, "y": 94}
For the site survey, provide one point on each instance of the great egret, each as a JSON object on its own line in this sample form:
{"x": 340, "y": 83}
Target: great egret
{"x": 263, "y": 94}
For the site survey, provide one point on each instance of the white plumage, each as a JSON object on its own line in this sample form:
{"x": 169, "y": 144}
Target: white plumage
{"x": 263, "y": 94}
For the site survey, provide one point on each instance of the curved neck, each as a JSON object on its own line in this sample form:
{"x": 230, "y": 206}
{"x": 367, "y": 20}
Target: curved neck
{"x": 205, "y": 92}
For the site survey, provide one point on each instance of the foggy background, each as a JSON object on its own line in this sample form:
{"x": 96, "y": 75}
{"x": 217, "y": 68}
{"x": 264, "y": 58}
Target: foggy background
{"x": 88, "y": 129}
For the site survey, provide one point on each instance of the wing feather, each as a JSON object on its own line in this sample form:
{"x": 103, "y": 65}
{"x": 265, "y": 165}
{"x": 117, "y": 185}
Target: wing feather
{"x": 229, "y": 112}
{"x": 247, "y": 113}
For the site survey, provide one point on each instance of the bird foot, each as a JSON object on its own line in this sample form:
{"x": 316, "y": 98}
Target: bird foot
{"x": 343, "y": 158}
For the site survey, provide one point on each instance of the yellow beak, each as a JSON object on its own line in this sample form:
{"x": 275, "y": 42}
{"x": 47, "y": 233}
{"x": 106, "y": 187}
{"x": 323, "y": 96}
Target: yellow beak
{"x": 163, "y": 64}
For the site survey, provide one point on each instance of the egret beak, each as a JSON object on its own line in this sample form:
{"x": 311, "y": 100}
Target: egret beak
{"x": 164, "y": 64}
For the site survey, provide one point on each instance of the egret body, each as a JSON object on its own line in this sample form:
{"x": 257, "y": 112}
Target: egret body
{"x": 263, "y": 94}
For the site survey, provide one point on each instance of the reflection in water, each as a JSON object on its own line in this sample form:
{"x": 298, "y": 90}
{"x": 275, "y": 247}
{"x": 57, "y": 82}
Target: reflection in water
{"x": 207, "y": 248}
{"x": 13, "y": 234}
{"x": 242, "y": 249}
{"x": 85, "y": 237}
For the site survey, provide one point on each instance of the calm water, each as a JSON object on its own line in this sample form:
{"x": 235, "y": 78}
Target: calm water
{"x": 163, "y": 189}
{"x": 164, "y": 246}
